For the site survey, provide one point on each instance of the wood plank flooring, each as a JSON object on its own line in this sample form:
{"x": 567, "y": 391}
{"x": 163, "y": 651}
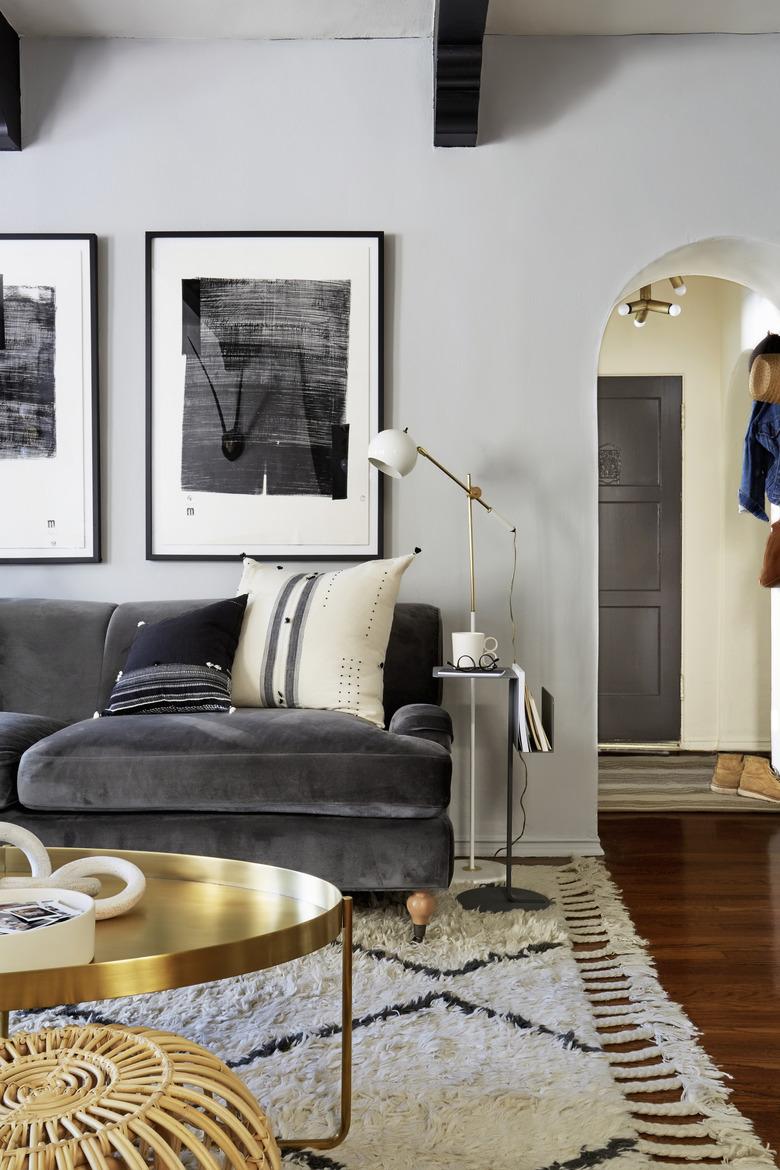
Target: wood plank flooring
{"x": 704, "y": 890}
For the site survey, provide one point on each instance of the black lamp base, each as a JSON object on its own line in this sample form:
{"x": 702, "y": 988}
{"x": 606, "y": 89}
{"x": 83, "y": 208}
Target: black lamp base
{"x": 494, "y": 900}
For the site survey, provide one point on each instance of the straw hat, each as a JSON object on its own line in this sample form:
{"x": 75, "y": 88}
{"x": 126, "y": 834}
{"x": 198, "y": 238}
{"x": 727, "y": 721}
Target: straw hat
{"x": 765, "y": 369}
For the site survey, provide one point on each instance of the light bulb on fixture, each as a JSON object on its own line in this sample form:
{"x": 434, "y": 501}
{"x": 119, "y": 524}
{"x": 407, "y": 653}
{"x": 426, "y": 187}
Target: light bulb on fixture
{"x": 641, "y": 318}
{"x": 679, "y": 285}
{"x": 624, "y": 309}
{"x": 675, "y": 310}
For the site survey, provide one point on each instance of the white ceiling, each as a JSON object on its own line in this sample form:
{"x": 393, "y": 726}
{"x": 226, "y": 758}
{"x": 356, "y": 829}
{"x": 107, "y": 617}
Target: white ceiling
{"x": 314, "y": 19}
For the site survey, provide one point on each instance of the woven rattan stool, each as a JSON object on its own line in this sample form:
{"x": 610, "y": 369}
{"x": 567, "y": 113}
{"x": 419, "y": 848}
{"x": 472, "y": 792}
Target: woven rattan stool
{"x": 110, "y": 1098}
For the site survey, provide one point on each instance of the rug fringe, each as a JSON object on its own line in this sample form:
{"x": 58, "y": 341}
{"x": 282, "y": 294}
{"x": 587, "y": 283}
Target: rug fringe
{"x": 670, "y": 1059}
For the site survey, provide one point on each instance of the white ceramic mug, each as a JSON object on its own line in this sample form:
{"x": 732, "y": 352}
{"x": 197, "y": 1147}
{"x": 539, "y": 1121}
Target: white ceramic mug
{"x": 472, "y": 645}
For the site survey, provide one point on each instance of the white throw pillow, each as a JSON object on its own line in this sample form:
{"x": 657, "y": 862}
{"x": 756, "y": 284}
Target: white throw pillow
{"x": 317, "y": 640}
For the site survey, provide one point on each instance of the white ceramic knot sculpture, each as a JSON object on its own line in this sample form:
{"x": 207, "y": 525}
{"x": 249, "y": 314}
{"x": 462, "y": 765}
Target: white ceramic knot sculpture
{"x": 80, "y": 874}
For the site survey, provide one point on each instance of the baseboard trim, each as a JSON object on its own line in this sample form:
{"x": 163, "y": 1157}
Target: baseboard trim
{"x": 726, "y": 745}
{"x": 685, "y": 745}
{"x": 650, "y": 748}
{"x": 590, "y": 847}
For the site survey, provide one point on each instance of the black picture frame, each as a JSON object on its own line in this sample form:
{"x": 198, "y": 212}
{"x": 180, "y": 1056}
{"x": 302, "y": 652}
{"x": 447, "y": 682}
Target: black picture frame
{"x": 376, "y": 502}
{"x": 91, "y": 476}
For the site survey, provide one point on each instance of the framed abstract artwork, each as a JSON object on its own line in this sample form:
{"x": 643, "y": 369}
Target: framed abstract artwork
{"x": 264, "y": 389}
{"x": 49, "y": 432}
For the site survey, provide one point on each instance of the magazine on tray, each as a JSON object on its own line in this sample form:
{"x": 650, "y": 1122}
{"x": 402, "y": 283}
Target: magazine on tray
{"x": 20, "y": 916}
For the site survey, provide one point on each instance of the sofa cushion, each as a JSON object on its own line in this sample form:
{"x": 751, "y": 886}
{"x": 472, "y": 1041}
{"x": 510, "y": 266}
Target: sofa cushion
{"x": 262, "y": 760}
{"x": 203, "y": 637}
{"x": 317, "y": 640}
{"x": 123, "y": 628}
{"x": 415, "y": 647}
{"x": 412, "y": 652}
{"x": 171, "y": 689}
{"x": 17, "y": 733}
{"x": 50, "y": 656}
{"x": 384, "y": 853}
{"x": 181, "y": 664}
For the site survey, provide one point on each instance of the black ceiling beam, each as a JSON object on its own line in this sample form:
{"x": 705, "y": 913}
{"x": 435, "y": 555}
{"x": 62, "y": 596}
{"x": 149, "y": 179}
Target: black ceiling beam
{"x": 10, "y": 88}
{"x": 460, "y": 29}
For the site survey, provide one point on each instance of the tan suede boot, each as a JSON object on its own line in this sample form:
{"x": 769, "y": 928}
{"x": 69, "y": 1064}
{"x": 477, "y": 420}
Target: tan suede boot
{"x": 759, "y": 780}
{"x": 728, "y": 770}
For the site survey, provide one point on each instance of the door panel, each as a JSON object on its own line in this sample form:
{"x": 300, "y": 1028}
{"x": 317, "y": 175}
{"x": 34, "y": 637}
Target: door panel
{"x": 623, "y": 419}
{"x": 634, "y": 626}
{"x": 640, "y": 522}
{"x": 635, "y": 531}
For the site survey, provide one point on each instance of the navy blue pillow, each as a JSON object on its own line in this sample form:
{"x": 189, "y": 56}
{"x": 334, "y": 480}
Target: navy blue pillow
{"x": 181, "y": 664}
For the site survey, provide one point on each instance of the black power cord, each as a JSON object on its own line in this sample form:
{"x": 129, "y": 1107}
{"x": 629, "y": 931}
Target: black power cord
{"x": 523, "y": 791}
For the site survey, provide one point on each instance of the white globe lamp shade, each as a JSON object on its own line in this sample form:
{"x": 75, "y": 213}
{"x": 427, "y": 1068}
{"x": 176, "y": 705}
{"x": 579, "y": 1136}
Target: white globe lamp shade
{"x": 393, "y": 452}
{"x": 675, "y": 310}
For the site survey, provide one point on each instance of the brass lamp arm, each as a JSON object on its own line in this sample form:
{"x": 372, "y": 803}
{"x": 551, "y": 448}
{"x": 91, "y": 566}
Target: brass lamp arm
{"x": 473, "y": 492}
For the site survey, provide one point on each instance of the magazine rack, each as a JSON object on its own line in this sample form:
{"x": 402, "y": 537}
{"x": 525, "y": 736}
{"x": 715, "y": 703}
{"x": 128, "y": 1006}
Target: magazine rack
{"x": 498, "y": 898}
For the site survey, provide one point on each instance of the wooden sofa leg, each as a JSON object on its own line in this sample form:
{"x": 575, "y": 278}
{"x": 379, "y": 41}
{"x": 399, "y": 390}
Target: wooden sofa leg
{"x": 421, "y": 906}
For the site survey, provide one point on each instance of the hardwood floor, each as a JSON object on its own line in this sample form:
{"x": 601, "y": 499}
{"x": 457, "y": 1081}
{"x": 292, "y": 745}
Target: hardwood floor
{"x": 704, "y": 890}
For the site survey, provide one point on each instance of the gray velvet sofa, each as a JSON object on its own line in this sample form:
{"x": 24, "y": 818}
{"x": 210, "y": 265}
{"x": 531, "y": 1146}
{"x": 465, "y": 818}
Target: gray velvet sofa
{"x": 319, "y": 791}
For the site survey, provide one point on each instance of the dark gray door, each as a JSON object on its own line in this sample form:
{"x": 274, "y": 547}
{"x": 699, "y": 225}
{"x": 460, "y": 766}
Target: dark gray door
{"x": 640, "y": 484}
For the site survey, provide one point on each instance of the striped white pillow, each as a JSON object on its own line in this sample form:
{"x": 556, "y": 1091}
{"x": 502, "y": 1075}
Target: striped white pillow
{"x": 317, "y": 640}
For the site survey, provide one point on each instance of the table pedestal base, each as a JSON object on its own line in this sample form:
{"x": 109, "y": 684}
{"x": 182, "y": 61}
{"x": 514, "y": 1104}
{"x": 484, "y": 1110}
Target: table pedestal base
{"x": 495, "y": 899}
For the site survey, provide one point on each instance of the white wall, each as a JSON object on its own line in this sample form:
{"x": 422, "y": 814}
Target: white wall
{"x": 504, "y": 263}
{"x": 725, "y": 612}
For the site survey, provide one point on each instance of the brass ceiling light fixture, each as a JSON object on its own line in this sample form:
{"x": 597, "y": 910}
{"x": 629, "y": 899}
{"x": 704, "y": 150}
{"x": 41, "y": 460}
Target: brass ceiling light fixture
{"x": 645, "y": 304}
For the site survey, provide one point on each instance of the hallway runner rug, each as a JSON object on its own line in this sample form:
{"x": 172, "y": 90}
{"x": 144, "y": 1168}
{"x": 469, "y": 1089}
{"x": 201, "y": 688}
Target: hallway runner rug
{"x": 678, "y": 782}
{"x": 517, "y": 1041}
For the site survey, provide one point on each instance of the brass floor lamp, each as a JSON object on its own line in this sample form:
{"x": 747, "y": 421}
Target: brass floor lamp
{"x": 395, "y": 453}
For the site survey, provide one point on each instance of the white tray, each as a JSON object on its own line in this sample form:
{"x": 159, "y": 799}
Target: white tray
{"x": 65, "y": 944}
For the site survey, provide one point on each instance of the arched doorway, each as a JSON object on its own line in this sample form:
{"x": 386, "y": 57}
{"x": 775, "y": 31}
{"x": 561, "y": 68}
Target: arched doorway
{"x": 753, "y": 268}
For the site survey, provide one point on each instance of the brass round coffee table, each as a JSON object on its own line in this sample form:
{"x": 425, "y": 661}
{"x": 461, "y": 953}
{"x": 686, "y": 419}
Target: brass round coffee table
{"x": 201, "y": 918}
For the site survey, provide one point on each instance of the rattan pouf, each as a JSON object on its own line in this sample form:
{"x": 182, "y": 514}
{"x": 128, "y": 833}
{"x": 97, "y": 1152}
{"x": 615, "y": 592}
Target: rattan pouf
{"x": 111, "y": 1098}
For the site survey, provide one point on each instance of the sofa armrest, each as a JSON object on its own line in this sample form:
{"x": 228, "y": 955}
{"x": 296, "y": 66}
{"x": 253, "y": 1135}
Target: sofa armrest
{"x": 423, "y": 721}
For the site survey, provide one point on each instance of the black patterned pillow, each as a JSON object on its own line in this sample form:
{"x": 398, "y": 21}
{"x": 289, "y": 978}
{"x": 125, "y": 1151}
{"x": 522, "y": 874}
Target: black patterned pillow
{"x": 182, "y": 664}
{"x": 170, "y": 689}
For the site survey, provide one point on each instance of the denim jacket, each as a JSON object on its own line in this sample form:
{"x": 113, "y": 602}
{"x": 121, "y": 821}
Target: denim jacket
{"x": 761, "y": 462}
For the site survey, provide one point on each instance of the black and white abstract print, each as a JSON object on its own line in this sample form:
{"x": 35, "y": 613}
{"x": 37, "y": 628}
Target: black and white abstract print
{"x": 265, "y": 386}
{"x": 28, "y": 426}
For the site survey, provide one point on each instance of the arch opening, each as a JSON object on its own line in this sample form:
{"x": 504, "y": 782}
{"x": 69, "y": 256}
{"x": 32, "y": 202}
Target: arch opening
{"x": 727, "y": 663}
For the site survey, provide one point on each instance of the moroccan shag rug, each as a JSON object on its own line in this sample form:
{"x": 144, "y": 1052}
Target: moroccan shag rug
{"x": 519, "y": 1041}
